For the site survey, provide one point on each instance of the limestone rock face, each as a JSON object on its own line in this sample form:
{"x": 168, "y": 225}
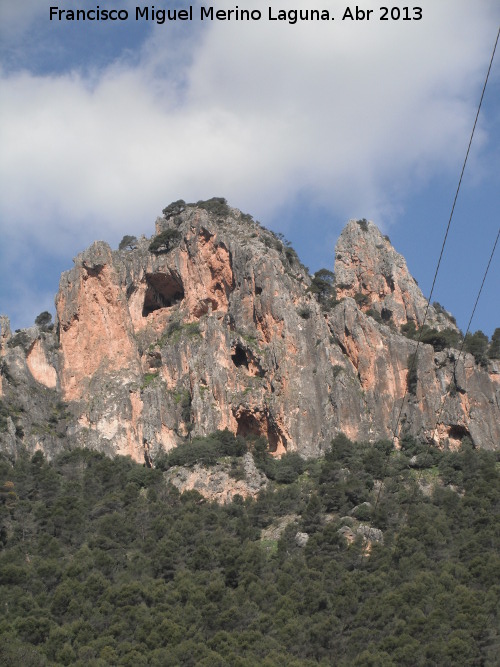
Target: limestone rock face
{"x": 218, "y": 328}
{"x": 216, "y": 482}
{"x": 32, "y": 412}
{"x": 366, "y": 265}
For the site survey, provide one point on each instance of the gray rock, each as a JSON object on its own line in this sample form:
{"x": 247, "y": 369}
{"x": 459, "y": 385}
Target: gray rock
{"x": 372, "y": 534}
{"x": 222, "y": 331}
{"x": 301, "y": 539}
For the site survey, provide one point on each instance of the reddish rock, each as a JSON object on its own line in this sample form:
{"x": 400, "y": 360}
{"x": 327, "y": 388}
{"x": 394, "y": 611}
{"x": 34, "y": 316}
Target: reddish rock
{"x": 222, "y": 331}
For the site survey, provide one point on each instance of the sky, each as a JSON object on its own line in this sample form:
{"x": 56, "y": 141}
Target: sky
{"x": 305, "y": 125}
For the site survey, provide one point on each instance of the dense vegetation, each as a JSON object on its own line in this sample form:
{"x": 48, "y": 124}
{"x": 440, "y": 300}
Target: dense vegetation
{"x": 128, "y": 242}
{"x": 216, "y": 205}
{"x": 323, "y": 287}
{"x": 477, "y": 344}
{"x": 164, "y": 241}
{"x": 102, "y": 563}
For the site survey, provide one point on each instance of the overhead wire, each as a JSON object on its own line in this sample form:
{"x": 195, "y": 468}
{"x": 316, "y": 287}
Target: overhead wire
{"x": 395, "y": 432}
{"x": 457, "y": 359}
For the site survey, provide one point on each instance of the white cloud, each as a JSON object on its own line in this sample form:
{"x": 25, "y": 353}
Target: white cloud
{"x": 355, "y": 113}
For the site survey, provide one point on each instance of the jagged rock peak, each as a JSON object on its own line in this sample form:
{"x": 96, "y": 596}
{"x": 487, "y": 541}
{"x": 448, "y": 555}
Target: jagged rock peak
{"x": 214, "y": 324}
{"x": 369, "y": 269}
{"x": 5, "y": 332}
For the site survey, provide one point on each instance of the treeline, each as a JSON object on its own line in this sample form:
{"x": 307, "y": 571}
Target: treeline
{"x": 103, "y": 563}
{"x": 478, "y": 344}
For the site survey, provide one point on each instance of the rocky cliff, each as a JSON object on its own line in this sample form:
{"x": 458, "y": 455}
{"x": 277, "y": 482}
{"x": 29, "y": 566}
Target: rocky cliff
{"x": 216, "y": 325}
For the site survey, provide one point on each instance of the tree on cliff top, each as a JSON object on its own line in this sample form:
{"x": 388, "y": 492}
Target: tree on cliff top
{"x": 477, "y": 345}
{"x": 128, "y": 243}
{"x": 494, "y": 349}
{"x": 323, "y": 286}
{"x": 44, "y": 319}
{"x": 165, "y": 241}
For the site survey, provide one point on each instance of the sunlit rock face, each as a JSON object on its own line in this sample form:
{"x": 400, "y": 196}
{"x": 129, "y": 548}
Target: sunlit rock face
{"x": 216, "y": 483}
{"x": 366, "y": 265}
{"x": 219, "y": 329}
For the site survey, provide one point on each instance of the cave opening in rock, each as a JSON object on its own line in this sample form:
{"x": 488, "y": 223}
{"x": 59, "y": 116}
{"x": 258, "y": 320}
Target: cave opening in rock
{"x": 249, "y": 426}
{"x": 163, "y": 291}
{"x": 458, "y": 432}
{"x": 386, "y": 314}
{"x": 255, "y": 425}
{"x": 390, "y": 283}
{"x": 239, "y": 357}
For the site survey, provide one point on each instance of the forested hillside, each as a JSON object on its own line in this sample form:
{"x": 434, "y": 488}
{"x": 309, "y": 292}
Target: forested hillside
{"x": 365, "y": 557}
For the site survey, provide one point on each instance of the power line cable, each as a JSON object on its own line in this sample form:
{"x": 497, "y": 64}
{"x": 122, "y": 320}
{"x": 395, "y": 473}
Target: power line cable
{"x": 421, "y": 330}
{"x": 463, "y": 340}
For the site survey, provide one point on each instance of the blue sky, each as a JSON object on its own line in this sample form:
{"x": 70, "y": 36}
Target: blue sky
{"x": 304, "y": 126}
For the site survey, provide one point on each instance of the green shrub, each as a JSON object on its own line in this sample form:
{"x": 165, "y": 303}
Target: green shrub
{"x": 4, "y": 413}
{"x": 304, "y": 312}
{"x": 148, "y": 379}
{"x": 440, "y": 340}
{"x": 341, "y": 449}
{"x": 477, "y": 345}
{"x": 288, "y": 468}
{"x": 284, "y": 470}
{"x": 128, "y": 243}
{"x": 361, "y": 299}
{"x": 192, "y": 329}
{"x": 494, "y": 348}
{"x": 409, "y": 329}
{"x": 363, "y": 223}
{"x": 291, "y": 255}
{"x": 216, "y": 205}
{"x": 371, "y": 312}
{"x": 204, "y": 451}
{"x": 165, "y": 241}
{"x": 19, "y": 339}
{"x": 173, "y": 327}
{"x": 336, "y": 369}
{"x": 176, "y": 329}
{"x": 439, "y": 309}
{"x": 44, "y": 319}
{"x": 323, "y": 287}
{"x": 175, "y": 208}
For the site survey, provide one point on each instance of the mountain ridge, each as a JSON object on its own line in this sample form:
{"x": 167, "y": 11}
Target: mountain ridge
{"x": 215, "y": 324}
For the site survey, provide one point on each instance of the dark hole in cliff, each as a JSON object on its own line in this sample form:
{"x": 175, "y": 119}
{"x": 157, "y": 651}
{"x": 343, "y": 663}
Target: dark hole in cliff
{"x": 258, "y": 290}
{"x": 163, "y": 290}
{"x": 93, "y": 271}
{"x": 239, "y": 357}
{"x": 390, "y": 283}
{"x": 386, "y": 314}
{"x": 249, "y": 426}
{"x": 148, "y": 463}
{"x": 205, "y": 234}
{"x": 275, "y": 440}
{"x": 154, "y": 360}
{"x": 458, "y": 432}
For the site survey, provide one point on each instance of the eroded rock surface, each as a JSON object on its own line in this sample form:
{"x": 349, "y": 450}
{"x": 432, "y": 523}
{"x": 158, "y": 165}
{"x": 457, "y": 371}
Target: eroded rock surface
{"x": 219, "y": 329}
{"x": 218, "y": 483}
{"x": 366, "y": 265}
